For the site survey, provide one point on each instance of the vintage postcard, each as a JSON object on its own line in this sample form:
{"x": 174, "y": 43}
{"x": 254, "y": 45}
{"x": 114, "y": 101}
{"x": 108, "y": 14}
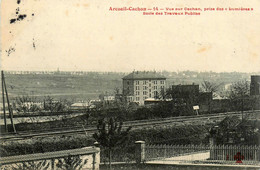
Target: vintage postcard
{"x": 130, "y": 84}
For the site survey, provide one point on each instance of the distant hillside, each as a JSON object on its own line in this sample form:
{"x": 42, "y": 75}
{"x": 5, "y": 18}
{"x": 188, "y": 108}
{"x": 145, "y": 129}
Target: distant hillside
{"x": 88, "y": 85}
{"x": 72, "y": 87}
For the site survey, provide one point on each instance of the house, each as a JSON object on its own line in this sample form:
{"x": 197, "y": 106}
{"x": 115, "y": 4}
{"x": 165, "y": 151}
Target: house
{"x": 140, "y": 85}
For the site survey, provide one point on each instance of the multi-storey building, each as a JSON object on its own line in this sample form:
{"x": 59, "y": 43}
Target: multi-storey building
{"x": 139, "y": 86}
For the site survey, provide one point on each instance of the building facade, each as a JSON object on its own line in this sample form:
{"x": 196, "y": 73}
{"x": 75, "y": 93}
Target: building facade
{"x": 139, "y": 86}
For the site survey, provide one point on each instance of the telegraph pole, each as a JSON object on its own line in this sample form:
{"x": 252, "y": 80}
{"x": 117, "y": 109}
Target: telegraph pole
{"x": 3, "y": 95}
{"x": 4, "y": 89}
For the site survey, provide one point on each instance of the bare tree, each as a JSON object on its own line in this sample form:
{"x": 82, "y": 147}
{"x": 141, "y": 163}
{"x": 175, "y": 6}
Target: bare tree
{"x": 207, "y": 86}
{"x": 26, "y": 104}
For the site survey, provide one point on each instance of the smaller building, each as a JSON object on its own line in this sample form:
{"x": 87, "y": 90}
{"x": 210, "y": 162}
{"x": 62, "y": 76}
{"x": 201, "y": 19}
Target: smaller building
{"x": 186, "y": 90}
{"x": 82, "y": 105}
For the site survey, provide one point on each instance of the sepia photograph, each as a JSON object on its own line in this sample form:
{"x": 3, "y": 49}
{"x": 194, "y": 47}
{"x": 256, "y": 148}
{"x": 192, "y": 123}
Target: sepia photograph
{"x": 130, "y": 85}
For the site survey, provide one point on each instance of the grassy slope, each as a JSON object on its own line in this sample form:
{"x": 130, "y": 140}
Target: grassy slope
{"x": 63, "y": 86}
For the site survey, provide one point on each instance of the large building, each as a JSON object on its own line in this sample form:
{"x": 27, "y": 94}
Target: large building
{"x": 255, "y": 85}
{"x": 139, "y": 86}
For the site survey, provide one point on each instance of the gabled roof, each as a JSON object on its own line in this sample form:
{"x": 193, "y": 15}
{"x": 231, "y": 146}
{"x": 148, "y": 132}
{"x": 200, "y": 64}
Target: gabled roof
{"x": 143, "y": 75}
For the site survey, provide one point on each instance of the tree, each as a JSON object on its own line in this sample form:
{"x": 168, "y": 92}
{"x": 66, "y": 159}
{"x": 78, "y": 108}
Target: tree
{"x": 51, "y": 105}
{"x": 207, "y": 86}
{"x": 239, "y": 92}
{"x": 110, "y": 135}
{"x": 232, "y": 130}
{"x": 26, "y": 104}
{"x": 183, "y": 98}
{"x": 212, "y": 88}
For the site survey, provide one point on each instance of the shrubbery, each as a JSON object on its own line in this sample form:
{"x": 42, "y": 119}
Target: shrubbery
{"x": 190, "y": 134}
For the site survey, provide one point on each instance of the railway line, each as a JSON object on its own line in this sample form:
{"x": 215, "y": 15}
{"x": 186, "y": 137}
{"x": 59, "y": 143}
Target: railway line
{"x": 137, "y": 124}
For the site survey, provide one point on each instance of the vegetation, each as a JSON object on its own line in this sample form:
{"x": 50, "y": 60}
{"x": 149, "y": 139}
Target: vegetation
{"x": 42, "y": 145}
{"x": 39, "y": 165}
{"x": 212, "y": 88}
{"x": 26, "y": 105}
{"x": 207, "y": 86}
{"x": 233, "y": 130}
{"x": 239, "y": 95}
{"x": 111, "y": 135}
{"x": 186, "y": 134}
{"x": 70, "y": 163}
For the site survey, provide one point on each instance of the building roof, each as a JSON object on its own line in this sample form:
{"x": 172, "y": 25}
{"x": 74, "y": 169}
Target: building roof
{"x": 152, "y": 99}
{"x": 80, "y": 105}
{"x": 142, "y": 75}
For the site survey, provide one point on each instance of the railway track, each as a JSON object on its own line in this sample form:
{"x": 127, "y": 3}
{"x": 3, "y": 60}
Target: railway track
{"x": 137, "y": 124}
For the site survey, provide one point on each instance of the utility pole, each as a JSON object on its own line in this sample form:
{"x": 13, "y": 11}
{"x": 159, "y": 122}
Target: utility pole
{"x": 4, "y": 90}
{"x": 3, "y": 95}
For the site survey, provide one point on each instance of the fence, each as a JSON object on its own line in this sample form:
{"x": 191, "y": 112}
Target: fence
{"x": 153, "y": 152}
{"x": 118, "y": 154}
{"x": 83, "y": 158}
{"x": 202, "y": 154}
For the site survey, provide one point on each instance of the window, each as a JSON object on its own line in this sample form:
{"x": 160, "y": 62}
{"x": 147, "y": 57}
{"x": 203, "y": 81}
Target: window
{"x": 137, "y": 93}
{"x": 155, "y": 87}
{"x": 144, "y": 92}
{"x": 144, "y": 82}
{"x": 127, "y": 82}
{"x": 150, "y": 90}
{"x": 137, "y": 88}
{"x": 145, "y": 87}
{"x": 137, "y": 98}
{"x": 137, "y": 82}
{"x": 155, "y": 82}
{"x": 162, "y": 82}
{"x": 156, "y": 94}
{"x": 150, "y": 85}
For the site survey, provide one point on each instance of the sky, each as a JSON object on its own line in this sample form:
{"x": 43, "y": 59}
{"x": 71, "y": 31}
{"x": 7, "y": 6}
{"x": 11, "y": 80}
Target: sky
{"x": 83, "y": 35}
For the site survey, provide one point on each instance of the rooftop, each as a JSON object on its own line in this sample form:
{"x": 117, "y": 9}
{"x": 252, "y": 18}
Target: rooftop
{"x": 141, "y": 75}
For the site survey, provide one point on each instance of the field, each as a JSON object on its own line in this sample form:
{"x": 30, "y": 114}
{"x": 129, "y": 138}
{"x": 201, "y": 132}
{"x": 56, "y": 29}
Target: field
{"x": 73, "y": 87}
